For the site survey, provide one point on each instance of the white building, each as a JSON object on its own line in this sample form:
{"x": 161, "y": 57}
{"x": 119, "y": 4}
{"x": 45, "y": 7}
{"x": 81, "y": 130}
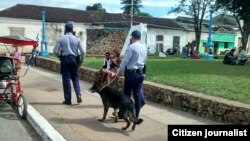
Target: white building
{"x": 26, "y": 20}
{"x": 159, "y": 40}
{"x": 28, "y": 23}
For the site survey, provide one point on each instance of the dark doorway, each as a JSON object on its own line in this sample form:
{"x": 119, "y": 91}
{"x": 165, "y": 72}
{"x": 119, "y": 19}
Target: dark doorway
{"x": 216, "y": 47}
{"x": 226, "y": 45}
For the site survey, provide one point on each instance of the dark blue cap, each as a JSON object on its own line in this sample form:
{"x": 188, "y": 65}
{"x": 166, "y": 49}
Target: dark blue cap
{"x": 136, "y": 34}
{"x": 69, "y": 26}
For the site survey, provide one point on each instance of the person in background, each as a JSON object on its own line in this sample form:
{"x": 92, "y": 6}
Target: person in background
{"x": 66, "y": 48}
{"x": 102, "y": 74}
{"x": 210, "y": 51}
{"x": 229, "y": 58}
{"x": 242, "y": 56}
{"x": 34, "y": 55}
{"x": 184, "y": 52}
{"x": 16, "y": 54}
{"x": 106, "y": 66}
{"x": 189, "y": 50}
{"x": 115, "y": 62}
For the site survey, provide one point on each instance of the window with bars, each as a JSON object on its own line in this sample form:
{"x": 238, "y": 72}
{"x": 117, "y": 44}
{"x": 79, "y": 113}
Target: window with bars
{"x": 176, "y": 41}
{"x": 159, "y": 38}
{"x": 159, "y": 47}
{"x": 19, "y": 31}
{"x": 159, "y": 43}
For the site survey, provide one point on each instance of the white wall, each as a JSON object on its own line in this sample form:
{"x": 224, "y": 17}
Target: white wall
{"x": 248, "y": 46}
{"x": 168, "y": 35}
{"x": 31, "y": 26}
{"x": 34, "y": 27}
{"x": 191, "y": 36}
{"x": 238, "y": 35}
{"x": 143, "y": 29}
{"x": 80, "y": 27}
{"x": 53, "y": 34}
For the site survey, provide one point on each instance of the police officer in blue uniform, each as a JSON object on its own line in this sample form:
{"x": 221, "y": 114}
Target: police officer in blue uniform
{"x": 134, "y": 61}
{"x": 67, "y": 48}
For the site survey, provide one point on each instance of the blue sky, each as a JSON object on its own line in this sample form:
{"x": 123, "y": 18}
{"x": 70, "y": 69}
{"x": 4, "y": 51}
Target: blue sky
{"x": 157, "y": 8}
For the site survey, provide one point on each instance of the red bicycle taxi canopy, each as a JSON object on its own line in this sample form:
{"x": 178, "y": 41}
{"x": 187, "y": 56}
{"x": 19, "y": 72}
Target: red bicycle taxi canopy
{"x": 18, "y": 40}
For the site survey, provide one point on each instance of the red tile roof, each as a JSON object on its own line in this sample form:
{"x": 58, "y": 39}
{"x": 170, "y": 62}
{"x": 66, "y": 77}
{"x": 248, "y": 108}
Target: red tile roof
{"x": 55, "y": 14}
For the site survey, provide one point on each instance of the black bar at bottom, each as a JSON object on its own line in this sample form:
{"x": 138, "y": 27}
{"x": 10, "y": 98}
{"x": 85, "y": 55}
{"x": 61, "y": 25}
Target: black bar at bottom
{"x": 208, "y": 132}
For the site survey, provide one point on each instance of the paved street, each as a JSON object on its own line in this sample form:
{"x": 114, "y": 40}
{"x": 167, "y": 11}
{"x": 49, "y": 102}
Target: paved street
{"x": 43, "y": 90}
{"x": 12, "y": 128}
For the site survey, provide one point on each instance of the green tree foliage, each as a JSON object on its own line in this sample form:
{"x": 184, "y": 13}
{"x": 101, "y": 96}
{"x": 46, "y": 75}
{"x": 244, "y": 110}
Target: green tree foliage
{"x": 197, "y": 10}
{"x": 96, "y": 7}
{"x": 127, "y": 6}
{"x": 144, "y": 14}
{"x": 241, "y": 11}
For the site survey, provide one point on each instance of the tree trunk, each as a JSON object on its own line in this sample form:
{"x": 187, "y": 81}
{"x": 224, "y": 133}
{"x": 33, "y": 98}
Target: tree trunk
{"x": 245, "y": 34}
{"x": 197, "y": 38}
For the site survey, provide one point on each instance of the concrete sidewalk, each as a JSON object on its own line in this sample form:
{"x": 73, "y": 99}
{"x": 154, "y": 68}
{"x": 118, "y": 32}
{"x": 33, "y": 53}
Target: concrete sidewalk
{"x": 12, "y": 128}
{"x": 43, "y": 90}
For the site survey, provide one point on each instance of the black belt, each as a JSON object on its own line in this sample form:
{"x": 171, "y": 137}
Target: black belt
{"x": 134, "y": 70}
{"x": 67, "y": 57}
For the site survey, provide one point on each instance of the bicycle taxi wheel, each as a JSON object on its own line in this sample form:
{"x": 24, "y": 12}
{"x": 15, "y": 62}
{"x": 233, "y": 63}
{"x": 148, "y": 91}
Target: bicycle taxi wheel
{"x": 22, "y": 106}
{"x": 19, "y": 101}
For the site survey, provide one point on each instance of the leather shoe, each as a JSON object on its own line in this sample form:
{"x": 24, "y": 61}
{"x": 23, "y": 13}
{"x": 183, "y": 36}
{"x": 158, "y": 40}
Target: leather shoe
{"x": 66, "y": 103}
{"x": 79, "y": 99}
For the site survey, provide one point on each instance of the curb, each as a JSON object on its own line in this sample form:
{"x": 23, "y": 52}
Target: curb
{"x": 42, "y": 126}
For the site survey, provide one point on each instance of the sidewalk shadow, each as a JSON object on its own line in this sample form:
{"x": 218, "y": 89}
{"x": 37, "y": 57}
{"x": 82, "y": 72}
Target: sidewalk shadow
{"x": 7, "y": 112}
{"x": 93, "y": 124}
{"x": 78, "y": 106}
{"x": 45, "y": 103}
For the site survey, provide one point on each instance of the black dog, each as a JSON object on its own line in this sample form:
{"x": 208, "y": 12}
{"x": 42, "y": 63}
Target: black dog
{"x": 117, "y": 100}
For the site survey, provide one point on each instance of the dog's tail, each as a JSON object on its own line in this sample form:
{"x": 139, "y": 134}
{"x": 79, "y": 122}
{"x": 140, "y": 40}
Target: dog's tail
{"x": 133, "y": 118}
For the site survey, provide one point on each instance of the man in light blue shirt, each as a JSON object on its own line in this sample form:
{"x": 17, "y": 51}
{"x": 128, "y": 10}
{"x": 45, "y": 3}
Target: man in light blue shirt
{"x": 66, "y": 48}
{"x": 132, "y": 64}
{"x": 242, "y": 56}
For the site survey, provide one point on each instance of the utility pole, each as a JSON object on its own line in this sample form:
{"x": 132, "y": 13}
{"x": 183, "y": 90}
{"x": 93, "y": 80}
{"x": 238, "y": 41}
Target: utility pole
{"x": 210, "y": 43}
{"x": 209, "y": 39}
{"x": 44, "y": 50}
{"x": 131, "y": 12}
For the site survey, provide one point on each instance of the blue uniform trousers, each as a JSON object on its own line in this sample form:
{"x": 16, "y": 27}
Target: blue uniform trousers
{"x": 133, "y": 82}
{"x": 143, "y": 102}
{"x": 69, "y": 71}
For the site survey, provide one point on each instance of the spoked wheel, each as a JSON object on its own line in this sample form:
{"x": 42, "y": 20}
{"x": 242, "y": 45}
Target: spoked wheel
{"x": 22, "y": 106}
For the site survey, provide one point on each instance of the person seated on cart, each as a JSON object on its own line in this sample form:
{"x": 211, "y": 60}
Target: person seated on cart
{"x": 16, "y": 55}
